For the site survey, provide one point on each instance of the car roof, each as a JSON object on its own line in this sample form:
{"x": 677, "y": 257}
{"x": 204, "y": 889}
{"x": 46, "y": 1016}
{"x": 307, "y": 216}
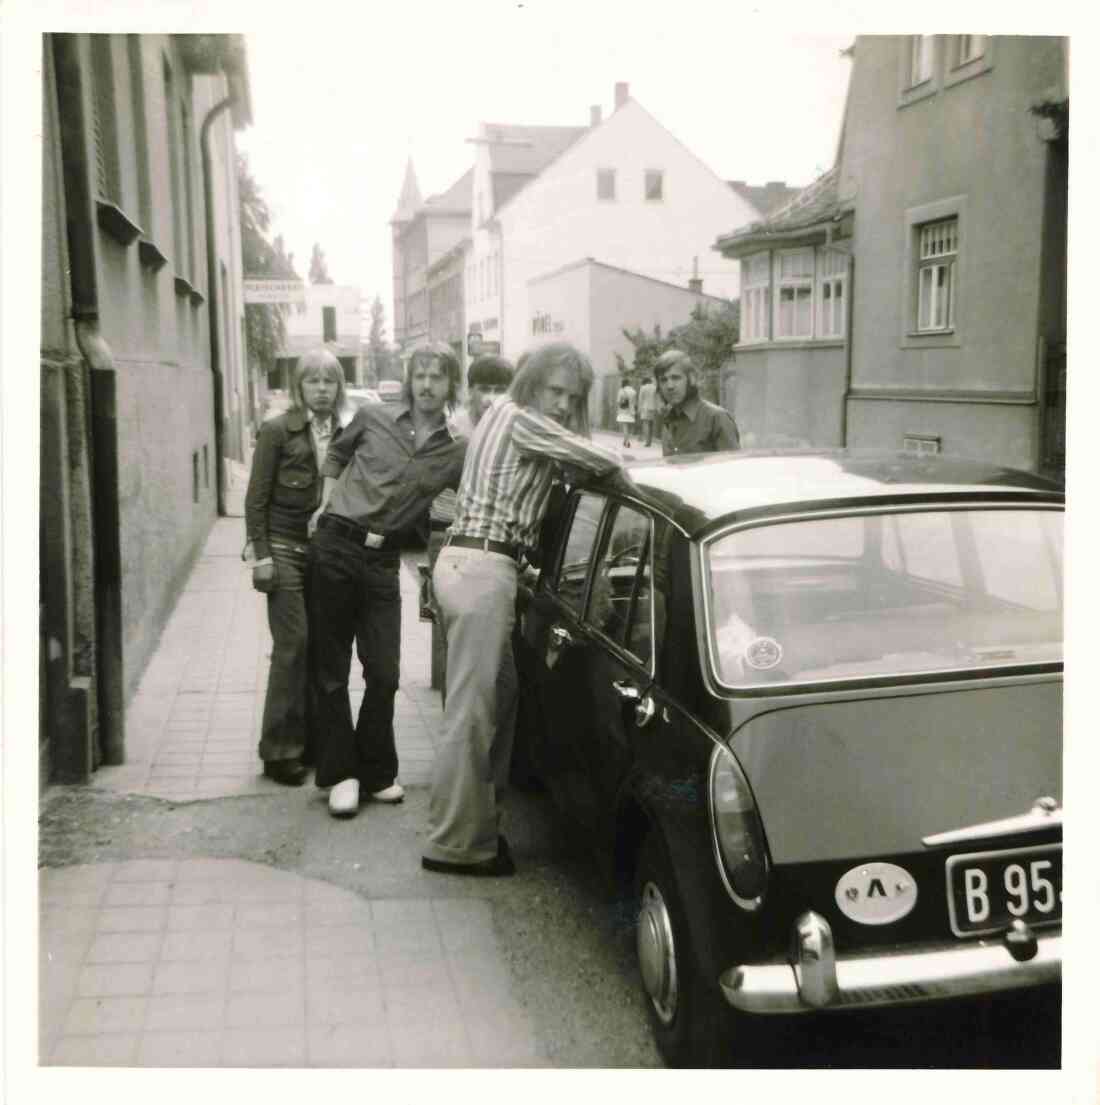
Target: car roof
{"x": 699, "y": 491}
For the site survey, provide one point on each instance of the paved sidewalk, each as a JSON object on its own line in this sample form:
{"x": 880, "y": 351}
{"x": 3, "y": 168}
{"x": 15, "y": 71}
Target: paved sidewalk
{"x": 216, "y": 962}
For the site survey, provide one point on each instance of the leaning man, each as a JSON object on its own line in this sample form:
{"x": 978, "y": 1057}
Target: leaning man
{"x": 517, "y": 447}
{"x": 380, "y": 477}
{"x": 690, "y": 423}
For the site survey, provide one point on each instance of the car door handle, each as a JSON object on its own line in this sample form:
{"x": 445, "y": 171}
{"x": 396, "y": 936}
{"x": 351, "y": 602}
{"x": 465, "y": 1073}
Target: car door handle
{"x": 560, "y": 636}
{"x": 626, "y": 691}
{"x": 643, "y": 704}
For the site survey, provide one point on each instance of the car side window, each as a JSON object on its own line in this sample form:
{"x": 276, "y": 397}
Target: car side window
{"x": 573, "y": 568}
{"x": 621, "y": 604}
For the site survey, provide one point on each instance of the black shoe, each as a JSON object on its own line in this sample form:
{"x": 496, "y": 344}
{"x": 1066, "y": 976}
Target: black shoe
{"x": 500, "y": 866}
{"x": 291, "y": 773}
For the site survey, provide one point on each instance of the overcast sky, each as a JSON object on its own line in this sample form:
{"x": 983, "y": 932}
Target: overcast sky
{"x": 337, "y": 116}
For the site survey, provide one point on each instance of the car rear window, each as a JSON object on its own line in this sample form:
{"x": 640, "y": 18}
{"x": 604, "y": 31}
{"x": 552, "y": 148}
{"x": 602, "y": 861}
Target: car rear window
{"x": 890, "y": 594}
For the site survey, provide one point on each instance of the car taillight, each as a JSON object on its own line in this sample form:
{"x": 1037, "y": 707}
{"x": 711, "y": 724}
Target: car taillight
{"x": 738, "y": 838}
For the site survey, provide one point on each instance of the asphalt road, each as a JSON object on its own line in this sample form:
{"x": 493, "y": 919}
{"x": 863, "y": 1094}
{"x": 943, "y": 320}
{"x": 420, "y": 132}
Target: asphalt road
{"x": 567, "y": 941}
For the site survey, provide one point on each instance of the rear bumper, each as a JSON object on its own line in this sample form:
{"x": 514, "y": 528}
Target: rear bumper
{"x": 818, "y": 979}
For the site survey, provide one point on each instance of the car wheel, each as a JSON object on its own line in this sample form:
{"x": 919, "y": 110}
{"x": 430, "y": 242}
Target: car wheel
{"x": 687, "y": 1017}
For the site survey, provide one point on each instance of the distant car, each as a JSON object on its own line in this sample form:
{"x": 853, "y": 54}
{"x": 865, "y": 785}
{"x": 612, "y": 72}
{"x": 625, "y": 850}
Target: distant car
{"x": 808, "y": 708}
{"x": 390, "y": 390}
{"x": 358, "y": 396}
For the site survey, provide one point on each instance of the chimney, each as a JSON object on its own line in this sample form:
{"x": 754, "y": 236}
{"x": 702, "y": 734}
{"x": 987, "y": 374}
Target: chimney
{"x": 695, "y": 284}
{"x": 595, "y": 115}
{"x": 622, "y": 93}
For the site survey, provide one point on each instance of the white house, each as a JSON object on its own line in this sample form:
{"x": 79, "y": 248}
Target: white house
{"x": 623, "y": 191}
{"x": 331, "y": 315}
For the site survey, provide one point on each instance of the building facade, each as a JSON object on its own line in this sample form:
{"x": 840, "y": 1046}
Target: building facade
{"x": 424, "y": 231}
{"x": 915, "y": 297}
{"x": 142, "y": 360}
{"x": 330, "y": 315}
{"x": 623, "y": 191}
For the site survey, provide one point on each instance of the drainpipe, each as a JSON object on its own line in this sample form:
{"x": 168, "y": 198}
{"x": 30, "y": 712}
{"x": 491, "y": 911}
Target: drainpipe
{"x": 99, "y": 386}
{"x": 212, "y": 297}
{"x": 849, "y": 281}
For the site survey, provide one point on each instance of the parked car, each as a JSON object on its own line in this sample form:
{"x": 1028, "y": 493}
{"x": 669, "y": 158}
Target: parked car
{"x": 807, "y": 709}
{"x": 390, "y": 390}
{"x": 358, "y": 396}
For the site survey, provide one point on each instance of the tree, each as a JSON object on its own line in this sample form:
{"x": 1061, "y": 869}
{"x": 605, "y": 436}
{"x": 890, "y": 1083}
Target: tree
{"x": 318, "y": 269}
{"x": 380, "y": 358}
{"x": 265, "y": 324}
{"x": 708, "y": 337}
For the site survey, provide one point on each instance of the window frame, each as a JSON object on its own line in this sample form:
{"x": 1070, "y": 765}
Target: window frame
{"x": 834, "y": 280}
{"x": 756, "y": 287}
{"x": 553, "y": 581}
{"x": 798, "y": 282}
{"x": 917, "y": 73}
{"x": 915, "y": 217}
{"x": 960, "y": 69}
{"x": 933, "y": 260}
{"x": 659, "y": 176}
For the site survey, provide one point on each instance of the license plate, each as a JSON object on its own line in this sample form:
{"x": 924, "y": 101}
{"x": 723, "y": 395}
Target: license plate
{"x": 987, "y": 891}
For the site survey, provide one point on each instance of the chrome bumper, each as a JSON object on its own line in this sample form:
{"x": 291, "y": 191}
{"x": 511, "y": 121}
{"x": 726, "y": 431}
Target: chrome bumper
{"x": 819, "y": 979}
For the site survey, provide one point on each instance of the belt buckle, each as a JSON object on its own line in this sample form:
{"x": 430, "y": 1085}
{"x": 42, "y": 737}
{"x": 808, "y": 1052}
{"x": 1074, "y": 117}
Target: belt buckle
{"x": 374, "y": 540}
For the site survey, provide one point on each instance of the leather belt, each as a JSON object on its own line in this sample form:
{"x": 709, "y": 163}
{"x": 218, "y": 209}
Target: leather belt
{"x": 483, "y": 543}
{"x": 358, "y": 534}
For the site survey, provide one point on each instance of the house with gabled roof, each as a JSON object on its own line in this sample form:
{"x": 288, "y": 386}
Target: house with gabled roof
{"x": 423, "y": 232}
{"x": 914, "y": 297}
{"x": 623, "y": 192}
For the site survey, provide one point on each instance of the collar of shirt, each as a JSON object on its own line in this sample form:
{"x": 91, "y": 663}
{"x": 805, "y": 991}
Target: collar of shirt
{"x": 405, "y": 414}
{"x": 688, "y": 409}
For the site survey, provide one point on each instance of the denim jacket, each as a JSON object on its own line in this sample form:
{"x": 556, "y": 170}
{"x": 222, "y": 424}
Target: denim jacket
{"x": 284, "y": 487}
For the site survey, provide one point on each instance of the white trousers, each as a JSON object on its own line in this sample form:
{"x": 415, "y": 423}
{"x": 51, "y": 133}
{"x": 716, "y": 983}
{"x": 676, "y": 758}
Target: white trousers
{"x": 476, "y": 595}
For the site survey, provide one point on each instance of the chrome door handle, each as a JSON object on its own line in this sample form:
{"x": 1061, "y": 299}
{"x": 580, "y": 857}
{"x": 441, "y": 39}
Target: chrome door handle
{"x": 644, "y": 708}
{"x": 626, "y": 691}
{"x": 560, "y": 636}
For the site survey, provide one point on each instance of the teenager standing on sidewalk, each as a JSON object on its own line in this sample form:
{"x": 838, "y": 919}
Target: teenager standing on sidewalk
{"x": 380, "y": 478}
{"x": 514, "y": 453}
{"x": 647, "y": 408}
{"x": 626, "y": 404}
{"x": 284, "y": 488}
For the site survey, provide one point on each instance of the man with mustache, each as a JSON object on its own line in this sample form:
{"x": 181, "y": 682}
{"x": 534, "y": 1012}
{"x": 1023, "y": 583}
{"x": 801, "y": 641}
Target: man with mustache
{"x": 519, "y": 445}
{"x": 380, "y": 478}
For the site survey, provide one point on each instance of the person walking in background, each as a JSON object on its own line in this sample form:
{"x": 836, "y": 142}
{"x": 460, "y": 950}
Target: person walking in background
{"x": 647, "y": 408}
{"x": 689, "y": 423}
{"x": 284, "y": 489}
{"x": 514, "y": 453}
{"x": 626, "y": 403}
{"x": 380, "y": 478}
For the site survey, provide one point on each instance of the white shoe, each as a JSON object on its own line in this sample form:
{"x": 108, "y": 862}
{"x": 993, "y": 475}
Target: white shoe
{"x": 343, "y": 799}
{"x": 395, "y": 792}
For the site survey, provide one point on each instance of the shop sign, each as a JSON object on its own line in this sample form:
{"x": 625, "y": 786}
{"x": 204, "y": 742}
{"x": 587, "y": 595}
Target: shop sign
{"x": 264, "y": 290}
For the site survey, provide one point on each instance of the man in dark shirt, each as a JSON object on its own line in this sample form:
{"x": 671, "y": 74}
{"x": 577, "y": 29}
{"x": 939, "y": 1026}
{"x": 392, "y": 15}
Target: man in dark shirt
{"x": 380, "y": 477}
{"x": 690, "y": 423}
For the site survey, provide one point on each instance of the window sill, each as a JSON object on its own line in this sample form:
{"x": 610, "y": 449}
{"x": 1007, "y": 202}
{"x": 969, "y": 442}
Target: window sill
{"x": 790, "y": 343}
{"x": 114, "y": 220}
{"x": 185, "y": 288}
{"x": 151, "y": 257}
{"x": 947, "y": 332}
{"x": 967, "y": 71}
{"x": 917, "y": 93}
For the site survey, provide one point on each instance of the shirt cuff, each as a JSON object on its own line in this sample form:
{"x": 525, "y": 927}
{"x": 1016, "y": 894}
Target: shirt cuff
{"x": 260, "y": 563}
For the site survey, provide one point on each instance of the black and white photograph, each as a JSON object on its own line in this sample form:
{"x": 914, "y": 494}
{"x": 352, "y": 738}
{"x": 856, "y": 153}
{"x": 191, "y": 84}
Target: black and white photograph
{"x": 550, "y": 550}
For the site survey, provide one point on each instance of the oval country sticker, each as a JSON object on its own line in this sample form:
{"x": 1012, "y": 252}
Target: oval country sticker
{"x": 763, "y": 653}
{"x": 876, "y": 893}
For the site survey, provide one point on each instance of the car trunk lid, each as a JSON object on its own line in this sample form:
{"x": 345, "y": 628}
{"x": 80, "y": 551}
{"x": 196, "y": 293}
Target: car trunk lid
{"x": 875, "y": 776}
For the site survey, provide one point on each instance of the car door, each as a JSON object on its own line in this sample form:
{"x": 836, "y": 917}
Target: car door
{"x": 597, "y": 659}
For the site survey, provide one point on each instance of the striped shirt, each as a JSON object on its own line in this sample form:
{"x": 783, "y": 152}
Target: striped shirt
{"x": 510, "y": 467}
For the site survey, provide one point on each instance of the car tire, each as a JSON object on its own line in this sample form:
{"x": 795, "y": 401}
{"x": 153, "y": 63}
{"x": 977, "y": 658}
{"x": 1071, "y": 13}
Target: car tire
{"x": 688, "y": 1018}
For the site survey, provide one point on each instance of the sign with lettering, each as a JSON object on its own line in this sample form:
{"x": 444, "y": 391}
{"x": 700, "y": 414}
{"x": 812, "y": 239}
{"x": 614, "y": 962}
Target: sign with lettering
{"x": 544, "y": 323}
{"x": 262, "y": 289}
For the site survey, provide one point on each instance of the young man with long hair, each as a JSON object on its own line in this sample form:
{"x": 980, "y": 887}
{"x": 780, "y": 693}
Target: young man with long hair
{"x": 519, "y": 444}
